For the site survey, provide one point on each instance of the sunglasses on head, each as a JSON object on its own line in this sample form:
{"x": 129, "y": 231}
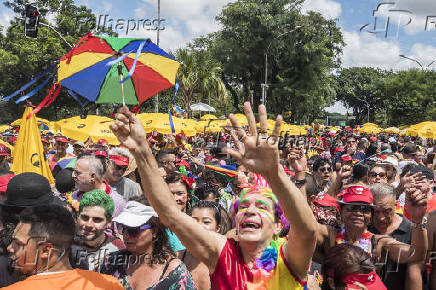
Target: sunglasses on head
{"x": 375, "y": 174}
{"x": 134, "y": 232}
{"x": 324, "y": 169}
{"x": 358, "y": 208}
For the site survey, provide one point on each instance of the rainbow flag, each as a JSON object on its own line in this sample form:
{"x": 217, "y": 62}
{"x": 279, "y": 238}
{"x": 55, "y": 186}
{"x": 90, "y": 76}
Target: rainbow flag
{"x": 230, "y": 174}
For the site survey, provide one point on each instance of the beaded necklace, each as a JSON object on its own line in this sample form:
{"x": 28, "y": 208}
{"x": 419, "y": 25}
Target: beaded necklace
{"x": 364, "y": 241}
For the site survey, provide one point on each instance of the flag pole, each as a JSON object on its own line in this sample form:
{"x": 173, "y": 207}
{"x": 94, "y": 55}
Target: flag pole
{"x": 120, "y": 72}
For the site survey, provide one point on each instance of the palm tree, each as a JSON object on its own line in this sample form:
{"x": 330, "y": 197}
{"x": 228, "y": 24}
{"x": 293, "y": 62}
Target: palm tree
{"x": 199, "y": 73}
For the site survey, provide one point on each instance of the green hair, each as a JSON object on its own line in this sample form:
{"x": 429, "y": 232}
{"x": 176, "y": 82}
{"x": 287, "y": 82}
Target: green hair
{"x": 98, "y": 197}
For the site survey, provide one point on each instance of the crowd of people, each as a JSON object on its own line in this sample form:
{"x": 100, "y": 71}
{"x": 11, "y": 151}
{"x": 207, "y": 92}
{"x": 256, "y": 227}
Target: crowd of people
{"x": 243, "y": 209}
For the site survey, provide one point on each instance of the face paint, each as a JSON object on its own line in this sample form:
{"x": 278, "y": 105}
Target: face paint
{"x": 265, "y": 214}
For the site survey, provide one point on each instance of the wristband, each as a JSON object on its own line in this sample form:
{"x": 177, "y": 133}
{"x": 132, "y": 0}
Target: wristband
{"x": 422, "y": 225}
{"x": 300, "y": 182}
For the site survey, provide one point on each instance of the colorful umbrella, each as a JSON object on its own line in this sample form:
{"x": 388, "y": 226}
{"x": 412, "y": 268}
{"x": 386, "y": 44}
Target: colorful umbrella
{"x": 93, "y": 69}
{"x": 79, "y": 129}
{"x": 65, "y": 162}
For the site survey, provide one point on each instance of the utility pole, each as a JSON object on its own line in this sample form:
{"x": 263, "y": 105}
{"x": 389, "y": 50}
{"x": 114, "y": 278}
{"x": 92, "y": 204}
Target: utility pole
{"x": 156, "y": 101}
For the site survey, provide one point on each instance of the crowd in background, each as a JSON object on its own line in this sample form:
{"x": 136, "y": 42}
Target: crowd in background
{"x": 242, "y": 209}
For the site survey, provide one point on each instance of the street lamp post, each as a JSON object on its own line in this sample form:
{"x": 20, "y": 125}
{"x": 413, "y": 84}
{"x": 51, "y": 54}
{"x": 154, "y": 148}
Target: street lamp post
{"x": 412, "y": 59}
{"x": 265, "y": 84}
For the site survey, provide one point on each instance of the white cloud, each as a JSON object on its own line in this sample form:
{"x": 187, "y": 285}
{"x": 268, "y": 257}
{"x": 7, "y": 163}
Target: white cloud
{"x": 5, "y": 18}
{"x": 328, "y": 8}
{"x": 364, "y": 49}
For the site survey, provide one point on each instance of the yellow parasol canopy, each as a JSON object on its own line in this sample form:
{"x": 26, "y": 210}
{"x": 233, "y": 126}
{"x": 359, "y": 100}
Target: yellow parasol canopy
{"x": 4, "y": 128}
{"x": 392, "y": 130}
{"x": 161, "y": 124}
{"x": 424, "y": 130}
{"x": 208, "y": 117}
{"x": 96, "y": 127}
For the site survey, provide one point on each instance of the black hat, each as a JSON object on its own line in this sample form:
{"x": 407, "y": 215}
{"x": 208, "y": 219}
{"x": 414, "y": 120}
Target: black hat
{"x": 28, "y": 189}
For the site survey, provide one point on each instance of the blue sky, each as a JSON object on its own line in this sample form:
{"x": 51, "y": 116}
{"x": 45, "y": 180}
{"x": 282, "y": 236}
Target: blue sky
{"x": 187, "y": 19}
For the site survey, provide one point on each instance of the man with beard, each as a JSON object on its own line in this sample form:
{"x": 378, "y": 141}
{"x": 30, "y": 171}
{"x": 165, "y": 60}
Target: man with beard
{"x": 116, "y": 167}
{"x": 39, "y": 250}
{"x": 88, "y": 174}
{"x": 95, "y": 215}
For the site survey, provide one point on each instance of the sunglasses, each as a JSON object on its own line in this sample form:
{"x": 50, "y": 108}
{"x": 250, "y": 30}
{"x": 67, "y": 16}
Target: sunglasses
{"x": 324, "y": 169}
{"x": 358, "y": 208}
{"x": 134, "y": 232}
{"x": 375, "y": 174}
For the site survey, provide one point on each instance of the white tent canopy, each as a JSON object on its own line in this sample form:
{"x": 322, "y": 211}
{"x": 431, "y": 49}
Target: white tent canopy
{"x": 202, "y": 107}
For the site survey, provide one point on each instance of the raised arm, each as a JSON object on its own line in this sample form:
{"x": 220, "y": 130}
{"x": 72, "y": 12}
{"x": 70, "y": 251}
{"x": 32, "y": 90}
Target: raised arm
{"x": 203, "y": 244}
{"x": 416, "y": 203}
{"x": 259, "y": 153}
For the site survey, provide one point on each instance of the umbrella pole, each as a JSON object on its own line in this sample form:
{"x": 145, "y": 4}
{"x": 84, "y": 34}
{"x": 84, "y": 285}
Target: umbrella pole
{"x": 120, "y": 72}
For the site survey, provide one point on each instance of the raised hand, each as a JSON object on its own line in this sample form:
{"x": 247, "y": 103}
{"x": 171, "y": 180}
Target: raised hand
{"x": 416, "y": 203}
{"x": 257, "y": 152}
{"x": 297, "y": 160}
{"x": 129, "y": 130}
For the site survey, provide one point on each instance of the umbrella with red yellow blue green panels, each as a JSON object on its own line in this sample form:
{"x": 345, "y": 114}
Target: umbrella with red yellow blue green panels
{"x": 93, "y": 67}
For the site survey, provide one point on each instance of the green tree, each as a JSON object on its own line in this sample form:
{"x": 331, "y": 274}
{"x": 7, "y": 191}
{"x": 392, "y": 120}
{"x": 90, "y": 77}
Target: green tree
{"x": 365, "y": 90}
{"x": 411, "y": 97}
{"x": 299, "y": 61}
{"x": 22, "y": 58}
{"x": 199, "y": 78}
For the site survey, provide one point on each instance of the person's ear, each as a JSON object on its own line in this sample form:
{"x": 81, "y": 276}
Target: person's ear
{"x": 46, "y": 251}
{"x": 218, "y": 228}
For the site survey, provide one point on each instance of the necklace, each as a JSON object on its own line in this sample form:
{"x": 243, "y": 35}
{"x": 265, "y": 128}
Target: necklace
{"x": 364, "y": 241}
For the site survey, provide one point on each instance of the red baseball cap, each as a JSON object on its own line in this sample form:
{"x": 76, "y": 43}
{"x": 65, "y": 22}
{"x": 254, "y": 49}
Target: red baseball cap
{"x": 102, "y": 141}
{"x": 62, "y": 139}
{"x": 4, "y": 150}
{"x": 346, "y": 158}
{"x": 13, "y": 139}
{"x": 100, "y": 153}
{"x": 371, "y": 281}
{"x": 45, "y": 141}
{"x": 4, "y": 180}
{"x": 356, "y": 194}
{"x": 339, "y": 149}
{"x": 119, "y": 160}
{"x": 372, "y": 139}
{"x": 326, "y": 200}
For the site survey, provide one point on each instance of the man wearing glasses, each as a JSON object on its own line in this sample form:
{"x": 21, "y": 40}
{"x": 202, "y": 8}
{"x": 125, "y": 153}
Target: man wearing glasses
{"x": 39, "y": 250}
{"x": 116, "y": 167}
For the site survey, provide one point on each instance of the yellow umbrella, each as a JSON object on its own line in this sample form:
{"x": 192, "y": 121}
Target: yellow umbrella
{"x": 39, "y": 121}
{"x": 4, "y": 128}
{"x": 217, "y": 126}
{"x": 208, "y": 117}
{"x": 294, "y": 130}
{"x": 242, "y": 119}
{"x": 29, "y": 154}
{"x": 369, "y": 124}
{"x": 415, "y": 130}
{"x": 392, "y": 130}
{"x": 423, "y": 130}
{"x": 370, "y": 130}
{"x": 96, "y": 127}
{"x": 162, "y": 125}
